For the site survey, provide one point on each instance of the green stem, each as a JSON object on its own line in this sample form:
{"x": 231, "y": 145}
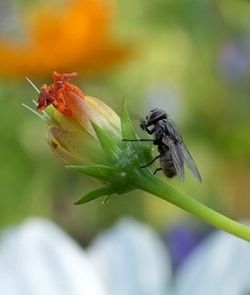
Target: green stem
{"x": 149, "y": 183}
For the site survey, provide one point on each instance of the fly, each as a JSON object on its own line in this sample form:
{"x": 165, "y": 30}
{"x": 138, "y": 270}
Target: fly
{"x": 173, "y": 153}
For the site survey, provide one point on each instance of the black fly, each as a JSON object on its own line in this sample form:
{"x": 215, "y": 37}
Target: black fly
{"x": 173, "y": 152}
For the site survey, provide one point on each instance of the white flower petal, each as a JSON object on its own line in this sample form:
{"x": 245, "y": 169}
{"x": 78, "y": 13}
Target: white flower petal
{"x": 220, "y": 265}
{"x": 132, "y": 260}
{"x": 37, "y": 258}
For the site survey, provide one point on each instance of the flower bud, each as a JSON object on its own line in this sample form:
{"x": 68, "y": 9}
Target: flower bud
{"x": 72, "y": 116}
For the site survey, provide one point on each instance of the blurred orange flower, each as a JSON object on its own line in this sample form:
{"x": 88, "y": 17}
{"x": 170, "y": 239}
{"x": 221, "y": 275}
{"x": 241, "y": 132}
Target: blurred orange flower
{"x": 75, "y": 36}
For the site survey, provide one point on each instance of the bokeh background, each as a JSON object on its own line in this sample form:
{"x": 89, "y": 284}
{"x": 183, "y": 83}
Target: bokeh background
{"x": 191, "y": 58}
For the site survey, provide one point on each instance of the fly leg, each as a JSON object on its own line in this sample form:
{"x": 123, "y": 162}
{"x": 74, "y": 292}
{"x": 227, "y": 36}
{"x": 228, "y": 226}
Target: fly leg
{"x": 144, "y": 126}
{"x": 141, "y": 139}
{"x": 158, "y": 169}
{"x": 151, "y": 162}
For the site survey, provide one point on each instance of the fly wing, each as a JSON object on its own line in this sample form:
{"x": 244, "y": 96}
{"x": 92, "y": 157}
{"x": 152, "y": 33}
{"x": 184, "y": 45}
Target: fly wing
{"x": 177, "y": 156}
{"x": 190, "y": 161}
{"x": 181, "y": 150}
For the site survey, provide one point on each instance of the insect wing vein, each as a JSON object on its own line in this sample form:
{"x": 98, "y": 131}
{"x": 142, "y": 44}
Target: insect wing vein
{"x": 190, "y": 162}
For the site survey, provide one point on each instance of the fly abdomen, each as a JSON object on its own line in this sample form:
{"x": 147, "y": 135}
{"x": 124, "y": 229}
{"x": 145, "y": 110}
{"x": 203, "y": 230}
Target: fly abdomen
{"x": 167, "y": 164}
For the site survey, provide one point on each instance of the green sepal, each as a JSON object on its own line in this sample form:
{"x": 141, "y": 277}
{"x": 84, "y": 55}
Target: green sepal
{"x": 127, "y": 128}
{"x": 143, "y": 150}
{"x": 103, "y": 191}
{"x": 108, "y": 145}
{"x": 98, "y": 171}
